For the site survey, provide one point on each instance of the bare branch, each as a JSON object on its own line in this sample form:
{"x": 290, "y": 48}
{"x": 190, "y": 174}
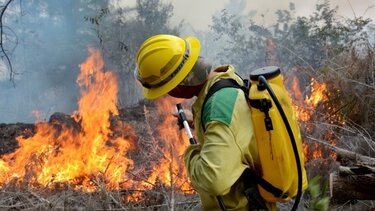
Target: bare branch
{"x": 355, "y": 157}
{"x": 3, "y": 9}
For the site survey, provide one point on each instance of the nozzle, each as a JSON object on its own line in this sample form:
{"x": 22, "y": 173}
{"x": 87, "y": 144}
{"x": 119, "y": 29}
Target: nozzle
{"x": 181, "y": 113}
{"x": 182, "y": 116}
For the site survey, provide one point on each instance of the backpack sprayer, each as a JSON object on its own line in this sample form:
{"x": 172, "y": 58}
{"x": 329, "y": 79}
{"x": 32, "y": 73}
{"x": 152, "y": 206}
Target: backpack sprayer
{"x": 278, "y": 138}
{"x": 182, "y": 118}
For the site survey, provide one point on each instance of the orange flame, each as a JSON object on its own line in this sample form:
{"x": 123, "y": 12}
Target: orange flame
{"x": 175, "y": 145}
{"x": 318, "y": 93}
{"x": 88, "y": 153}
{"x": 64, "y": 155}
{"x": 305, "y": 108}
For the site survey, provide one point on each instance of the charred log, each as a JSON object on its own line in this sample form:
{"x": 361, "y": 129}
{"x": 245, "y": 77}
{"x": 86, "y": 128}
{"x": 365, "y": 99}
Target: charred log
{"x": 356, "y": 182}
{"x": 353, "y": 183}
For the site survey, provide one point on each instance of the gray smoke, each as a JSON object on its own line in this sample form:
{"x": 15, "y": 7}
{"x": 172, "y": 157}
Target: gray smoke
{"x": 46, "y": 41}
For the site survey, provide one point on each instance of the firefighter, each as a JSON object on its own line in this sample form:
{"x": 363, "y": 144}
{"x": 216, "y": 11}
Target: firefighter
{"x": 168, "y": 64}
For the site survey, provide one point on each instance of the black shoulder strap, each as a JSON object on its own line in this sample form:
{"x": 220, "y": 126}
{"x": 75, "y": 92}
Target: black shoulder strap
{"x": 223, "y": 83}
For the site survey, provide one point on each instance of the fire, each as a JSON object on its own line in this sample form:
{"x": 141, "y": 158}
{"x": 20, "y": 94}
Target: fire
{"x": 65, "y": 155}
{"x": 318, "y": 93}
{"x": 305, "y": 111}
{"x": 175, "y": 145}
{"x": 87, "y": 154}
{"x": 305, "y": 108}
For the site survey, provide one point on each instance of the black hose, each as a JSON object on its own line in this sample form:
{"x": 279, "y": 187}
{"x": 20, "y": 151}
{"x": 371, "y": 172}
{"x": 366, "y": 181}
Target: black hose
{"x": 263, "y": 80}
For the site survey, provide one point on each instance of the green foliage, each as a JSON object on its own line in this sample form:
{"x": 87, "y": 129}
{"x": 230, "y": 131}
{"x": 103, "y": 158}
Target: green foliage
{"x": 307, "y": 42}
{"x": 319, "y": 198}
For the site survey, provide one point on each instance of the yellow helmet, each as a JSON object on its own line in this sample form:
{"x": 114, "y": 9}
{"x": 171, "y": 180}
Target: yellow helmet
{"x": 163, "y": 61}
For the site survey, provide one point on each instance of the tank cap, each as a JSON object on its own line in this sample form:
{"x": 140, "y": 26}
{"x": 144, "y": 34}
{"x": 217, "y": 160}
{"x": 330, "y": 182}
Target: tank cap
{"x": 268, "y": 72}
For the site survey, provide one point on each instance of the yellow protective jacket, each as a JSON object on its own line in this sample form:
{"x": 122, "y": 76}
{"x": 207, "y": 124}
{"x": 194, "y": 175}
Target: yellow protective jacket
{"x": 226, "y": 147}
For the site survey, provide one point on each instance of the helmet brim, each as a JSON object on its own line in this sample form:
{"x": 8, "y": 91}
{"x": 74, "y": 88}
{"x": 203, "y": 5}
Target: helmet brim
{"x": 154, "y": 93}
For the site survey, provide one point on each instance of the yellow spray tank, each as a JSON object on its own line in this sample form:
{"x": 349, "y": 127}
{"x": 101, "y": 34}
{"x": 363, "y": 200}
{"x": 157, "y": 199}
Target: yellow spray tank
{"x": 277, "y": 134}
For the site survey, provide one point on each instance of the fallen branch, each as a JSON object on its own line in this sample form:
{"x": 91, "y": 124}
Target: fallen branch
{"x": 343, "y": 154}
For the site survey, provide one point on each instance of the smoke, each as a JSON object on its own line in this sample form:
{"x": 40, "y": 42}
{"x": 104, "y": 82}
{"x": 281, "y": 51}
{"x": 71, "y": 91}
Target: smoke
{"x": 201, "y": 18}
{"x": 47, "y": 40}
{"x": 32, "y": 94}
{"x": 47, "y": 47}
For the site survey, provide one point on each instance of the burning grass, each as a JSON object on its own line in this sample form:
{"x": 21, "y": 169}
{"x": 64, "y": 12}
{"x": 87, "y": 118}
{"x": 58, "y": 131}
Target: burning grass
{"x": 100, "y": 152}
{"x": 163, "y": 188}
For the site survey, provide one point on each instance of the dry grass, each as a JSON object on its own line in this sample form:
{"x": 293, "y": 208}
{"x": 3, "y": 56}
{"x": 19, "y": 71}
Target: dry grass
{"x": 68, "y": 199}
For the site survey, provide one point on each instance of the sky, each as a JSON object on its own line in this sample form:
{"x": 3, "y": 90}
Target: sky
{"x": 198, "y": 13}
